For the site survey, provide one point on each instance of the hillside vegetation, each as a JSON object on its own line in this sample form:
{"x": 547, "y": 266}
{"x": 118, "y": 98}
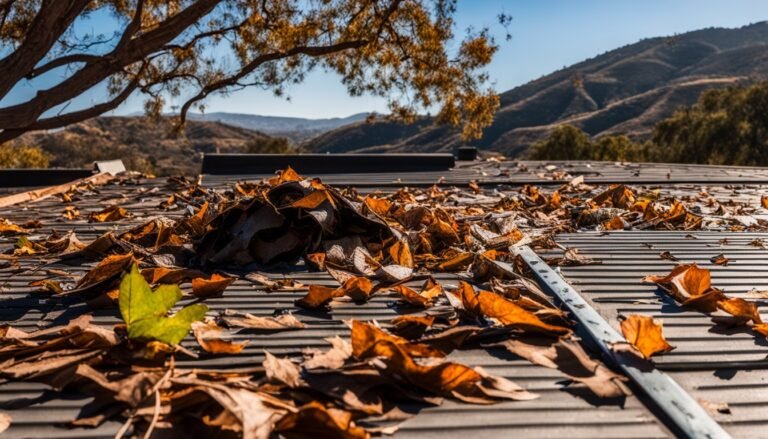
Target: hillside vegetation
{"x": 725, "y": 126}
{"x": 624, "y": 91}
{"x": 148, "y": 146}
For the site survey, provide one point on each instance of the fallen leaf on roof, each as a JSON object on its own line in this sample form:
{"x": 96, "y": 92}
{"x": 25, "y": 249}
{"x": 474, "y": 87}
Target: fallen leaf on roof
{"x": 26, "y": 247}
{"x": 314, "y": 420}
{"x": 412, "y": 297}
{"x": 743, "y": 311}
{"x": 213, "y": 339}
{"x": 330, "y": 359}
{"x": 104, "y": 277}
{"x": 570, "y": 358}
{"x": 318, "y": 296}
{"x": 719, "y": 259}
{"x": 234, "y": 319}
{"x": 757, "y": 294}
{"x": 5, "y": 421}
{"x": 645, "y": 334}
{"x": 112, "y": 213}
{"x": 357, "y": 288}
{"x": 8, "y": 228}
{"x": 282, "y": 370}
{"x": 163, "y": 275}
{"x": 212, "y": 287}
{"x": 668, "y": 256}
{"x": 411, "y": 327}
{"x": 764, "y": 201}
{"x": 715, "y": 408}
{"x": 145, "y": 311}
{"x": 571, "y": 256}
{"x": 440, "y": 377}
{"x": 71, "y": 213}
{"x": 507, "y": 313}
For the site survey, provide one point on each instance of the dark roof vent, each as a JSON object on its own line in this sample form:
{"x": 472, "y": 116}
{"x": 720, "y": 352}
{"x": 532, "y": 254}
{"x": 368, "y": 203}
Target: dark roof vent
{"x": 466, "y": 154}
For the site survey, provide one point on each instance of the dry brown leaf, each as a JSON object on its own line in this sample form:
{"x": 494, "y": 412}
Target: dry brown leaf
{"x": 112, "y": 213}
{"x": 570, "y": 358}
{"x": 379, "y": 206}
{"x": 162, "y": 275}
{"x": 333, "y": 358}
{"x": 615, "y": 223}
{"x": 284, "y": 176}
{"x": 313, "y": 200}
{"x": 400, "y": 252}
{"x": 5, "y": 421}
{"x": 212, "y": 338}
{"x": 438, "y": 377}
{"x": 212, "y": 287}
{"x": 742, "y": 310}
{"x": 104, "y": 277}
{"x": 358, "y": 289}
{"x": 645, "y": 334}
{"x": 365, "y": 336}
{"x": 494, "y": 306}
{"x": 282, "y": 370}
{"x": 715, "y": 408}
{"x": 315, "y": 421}
{"x": 719, "y": 260}
{"x": 410, "y": 326}
{"x": 282, "y": 322}
{"x": 318, "y": 296}
{"x": 668, "y": 256}
{"x": 412, "y": 297}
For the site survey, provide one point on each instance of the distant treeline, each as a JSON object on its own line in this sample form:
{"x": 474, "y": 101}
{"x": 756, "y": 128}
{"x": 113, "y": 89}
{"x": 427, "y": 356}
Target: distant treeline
{"x": 724, "y": 127}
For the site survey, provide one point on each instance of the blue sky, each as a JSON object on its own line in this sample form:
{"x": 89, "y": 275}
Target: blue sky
{"x": 546, "y": 35}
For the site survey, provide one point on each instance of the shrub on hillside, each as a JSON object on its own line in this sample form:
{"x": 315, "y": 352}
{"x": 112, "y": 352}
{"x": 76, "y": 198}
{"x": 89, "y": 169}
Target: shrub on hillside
{"x": 22, "y": 156}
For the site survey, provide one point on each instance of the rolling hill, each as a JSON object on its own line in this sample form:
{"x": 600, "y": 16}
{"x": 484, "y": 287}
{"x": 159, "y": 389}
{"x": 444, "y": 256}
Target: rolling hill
{"x": 626, "y": 90}
{"x": 142, "y": 144}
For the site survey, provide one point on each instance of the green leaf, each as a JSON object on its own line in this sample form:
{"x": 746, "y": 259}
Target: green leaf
{"x": 145, "y": 311}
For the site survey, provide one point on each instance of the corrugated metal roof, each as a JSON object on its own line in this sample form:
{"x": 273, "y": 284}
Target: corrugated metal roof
{"x": 714, "y": 364}
{"x": 560, "y": 411}
{"x": 711, "y": 366}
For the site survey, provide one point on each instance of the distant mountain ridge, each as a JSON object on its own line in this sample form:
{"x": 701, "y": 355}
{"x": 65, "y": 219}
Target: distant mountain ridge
{"x": 295, "y": 128}
{"x": 626, "y": 90}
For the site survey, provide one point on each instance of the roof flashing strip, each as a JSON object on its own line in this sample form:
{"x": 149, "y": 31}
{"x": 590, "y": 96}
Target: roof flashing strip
{"x": 683, "y": 414}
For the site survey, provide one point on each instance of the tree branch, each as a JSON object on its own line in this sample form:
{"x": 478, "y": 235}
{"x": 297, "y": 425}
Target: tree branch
{"x": 51, "y": 21}
{"x": 61, "y": 61}
{"x": 24, "y": 115}
{"x": 76, "y": 116}
{"x": 260, "y": 60}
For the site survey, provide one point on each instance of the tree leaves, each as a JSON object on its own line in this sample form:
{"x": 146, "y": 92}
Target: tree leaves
{"x": 644, "y": 333}
{"x": 144, "y": 311}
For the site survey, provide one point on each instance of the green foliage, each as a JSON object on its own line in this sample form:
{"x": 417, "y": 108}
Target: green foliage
{"x": 144, "y": 310}
{"x": 726, "y": 126}
{"x": 269, "y": 145}
{"x": 567, "y": 142}
{"x": 69, "y": 150}
{"x": 23, "y": 156}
